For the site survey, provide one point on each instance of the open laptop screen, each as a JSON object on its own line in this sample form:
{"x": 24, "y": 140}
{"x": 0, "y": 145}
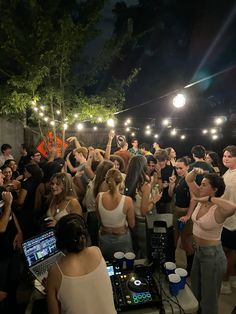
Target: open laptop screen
{"x": 40, "y": 247}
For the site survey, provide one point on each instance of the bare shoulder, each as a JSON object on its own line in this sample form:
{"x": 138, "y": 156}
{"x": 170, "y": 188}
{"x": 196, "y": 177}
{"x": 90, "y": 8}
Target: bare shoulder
{"x": 146, "y": 187}
{"x": 128, "y": 201}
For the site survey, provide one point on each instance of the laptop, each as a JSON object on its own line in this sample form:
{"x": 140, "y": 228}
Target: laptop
{"x": 41, "y": 253}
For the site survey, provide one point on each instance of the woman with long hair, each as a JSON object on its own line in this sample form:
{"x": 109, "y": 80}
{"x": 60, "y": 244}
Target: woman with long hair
{"x": 215, "y": 161}
{"x": 171, "y": 156}
{"x": 138, "y": 187}
{"x": 116, "y": 214}
{"x": 64, "y": 199}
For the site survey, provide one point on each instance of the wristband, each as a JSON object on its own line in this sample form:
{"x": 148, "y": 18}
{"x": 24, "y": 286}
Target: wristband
{"x": 209, "y": 199}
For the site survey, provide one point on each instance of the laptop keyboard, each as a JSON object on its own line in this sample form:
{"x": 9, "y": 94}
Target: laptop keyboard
{"x": 42, "y": 268}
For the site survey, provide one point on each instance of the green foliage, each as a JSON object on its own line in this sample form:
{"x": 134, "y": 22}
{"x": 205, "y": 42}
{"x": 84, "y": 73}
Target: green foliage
{"x": 42, "y": 57}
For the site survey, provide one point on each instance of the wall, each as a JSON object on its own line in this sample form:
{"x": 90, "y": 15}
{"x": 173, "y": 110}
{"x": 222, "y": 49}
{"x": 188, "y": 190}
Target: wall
{"x": 12, "y": 133}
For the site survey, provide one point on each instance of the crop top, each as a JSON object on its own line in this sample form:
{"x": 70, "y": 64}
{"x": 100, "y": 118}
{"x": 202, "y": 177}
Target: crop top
{"x": 114, "y": 218}
{"x": 206, "y": 226}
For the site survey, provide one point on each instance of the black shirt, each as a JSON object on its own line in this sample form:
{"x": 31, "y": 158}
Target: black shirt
{"x": 182, "y": 194}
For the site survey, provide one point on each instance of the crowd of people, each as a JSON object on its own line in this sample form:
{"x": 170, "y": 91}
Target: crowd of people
{"x": 97, "y": 202}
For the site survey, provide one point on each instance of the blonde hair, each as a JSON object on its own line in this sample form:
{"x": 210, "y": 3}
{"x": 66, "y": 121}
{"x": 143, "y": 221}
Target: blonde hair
{"x": 81, "y": 150}
{"x": 113, "y": 178}
{"x": 68, "y": 187}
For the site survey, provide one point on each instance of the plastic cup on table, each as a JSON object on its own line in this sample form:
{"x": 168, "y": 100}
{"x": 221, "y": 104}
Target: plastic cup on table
{"x": 183, "y": 275}
{"x": 129, "y": 259}
{"x": 169, "y": 268}
{"x": 119, "y": 258}
{"x": 174, "y": 282}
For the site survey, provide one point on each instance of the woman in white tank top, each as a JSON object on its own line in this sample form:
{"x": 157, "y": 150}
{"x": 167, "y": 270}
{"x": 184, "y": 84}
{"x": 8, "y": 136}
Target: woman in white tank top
{"x": 116, "y": 215}
{"x": 79, "y": 283}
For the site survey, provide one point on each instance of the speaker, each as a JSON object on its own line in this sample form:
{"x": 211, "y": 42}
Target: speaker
{"x": 160, "y": 238}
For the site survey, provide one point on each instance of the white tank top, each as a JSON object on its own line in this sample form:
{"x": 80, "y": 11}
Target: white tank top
{"x": 87, "y": 294}
{"x": 114, "y": 218}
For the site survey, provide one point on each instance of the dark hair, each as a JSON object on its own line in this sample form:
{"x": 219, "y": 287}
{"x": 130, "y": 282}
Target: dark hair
{"x": 136, "y": 175}
{"x": 161, "y": 155}
{"x": 133, "y": 140}
{"x": 120, "y": 161}
{"x": 113, "y": 178}
{"x": 145, "y": 146}
{"x": 35, "y": 172}
{"x": 231, "y": 149}
{"x": 198, "y": 151}
{"x": 24, "y": 146}
{"x": 5, "y": 147}
{"x": 101, "y": 172}
{"x": 49, "y": 169}
{"x": 216, "y": 162}
{"x": 185, "y": 160}
{"x": 8, "y": 161}
{"x": 71, "y": 233}
{"x": 32, "y": 152}
{"x": 150, "y": 158}
{"x": 216, "y": 182}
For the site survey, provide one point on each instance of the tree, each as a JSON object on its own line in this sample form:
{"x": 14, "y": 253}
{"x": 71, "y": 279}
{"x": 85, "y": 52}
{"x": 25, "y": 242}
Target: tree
{"x": 44, "y": 68}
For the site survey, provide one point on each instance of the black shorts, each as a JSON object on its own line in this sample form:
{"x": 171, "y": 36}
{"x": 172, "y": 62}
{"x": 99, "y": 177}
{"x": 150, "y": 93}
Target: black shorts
{"x": 228, "y": 239}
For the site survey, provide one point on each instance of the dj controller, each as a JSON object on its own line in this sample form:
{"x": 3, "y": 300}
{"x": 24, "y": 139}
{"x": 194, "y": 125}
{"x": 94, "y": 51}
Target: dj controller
{"x": 133, "y": 289}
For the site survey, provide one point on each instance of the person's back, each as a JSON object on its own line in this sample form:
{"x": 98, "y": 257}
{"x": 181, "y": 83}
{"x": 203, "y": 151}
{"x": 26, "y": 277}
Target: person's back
{"x": 85, "y": 286}
{"x": 79, "y": 283}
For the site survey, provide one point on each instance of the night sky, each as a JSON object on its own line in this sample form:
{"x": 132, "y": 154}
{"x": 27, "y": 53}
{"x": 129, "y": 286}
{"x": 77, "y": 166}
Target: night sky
{"x": 185, "y": 41}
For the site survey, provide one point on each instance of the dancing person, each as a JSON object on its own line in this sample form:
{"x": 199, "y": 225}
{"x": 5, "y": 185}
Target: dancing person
{"x": 209, "y": 262}
{"x": 116, "y": 214}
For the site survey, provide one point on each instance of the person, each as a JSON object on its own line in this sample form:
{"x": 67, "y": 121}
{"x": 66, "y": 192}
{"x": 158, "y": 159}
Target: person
{"x": 199, "y": 156}
{"x": 10, "y": 184}
{"x": 10, "y": 243}
{"x": 24, "y": 159}
{"x": 134, "y": 150}
{"x": 79, "y": 283}
{"x": 182, "y": 209}
{"x": 171, "y": 156}
{"x": 209, "y": 262}
{"x": 13, "y": 165}
{"x": 215, "y": 161}
{"x": 145, "y": 149}
{"x": 6, "y": 150}
{"x": 124, "y": 153}
{"x": 64, "y": 200}
{"x": 116, "y": 214}
{"x": 138, "y": 187}
{"x": 229, "y": 230}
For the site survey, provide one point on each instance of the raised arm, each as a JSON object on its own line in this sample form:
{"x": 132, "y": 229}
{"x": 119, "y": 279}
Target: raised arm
{"x": 75, "y": 140}
{"x": 190, "y": 180}
{"x": 108, "y": 147}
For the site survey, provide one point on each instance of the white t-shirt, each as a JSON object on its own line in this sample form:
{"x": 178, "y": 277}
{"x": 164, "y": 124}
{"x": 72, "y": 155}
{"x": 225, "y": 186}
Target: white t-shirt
{"x": 230, "y": 195}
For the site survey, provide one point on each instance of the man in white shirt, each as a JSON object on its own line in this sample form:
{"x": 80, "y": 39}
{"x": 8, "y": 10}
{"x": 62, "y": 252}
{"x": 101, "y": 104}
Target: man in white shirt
{"x": 229, "y": 231}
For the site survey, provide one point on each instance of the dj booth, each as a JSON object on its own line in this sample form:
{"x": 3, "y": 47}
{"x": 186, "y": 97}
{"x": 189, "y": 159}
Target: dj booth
{"x": 144, "y": 289}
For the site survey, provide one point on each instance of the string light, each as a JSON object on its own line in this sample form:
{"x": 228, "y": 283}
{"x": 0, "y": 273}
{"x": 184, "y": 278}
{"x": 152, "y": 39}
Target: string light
{"x": 183, "y": 137}
{"x": 65, "y": 126}
{"x": 132, "y": 134}
{"x": 45, "y": 119}
{"x": 127, "y": 129}
{"x": 205, "y": 131}
{"x": 79, "y": 126}
{"x": 42, "y": 108}
{"x": 33, "y": 102}
{"x": 166, "y": 122}
{"x": 95, "y": 128}
{"x": 156, "y": 135}
{"x": 58, "y": 112}
{"x": 173, "y": 132}
{"x": 52, "y": 123}
{"x": 213, "y": 131}
{"x": 148, "y": 127}
{"x": 128, "y": 121}
{"x": 41, "y": 114}
{"x": 36, "y": 109}
{"x": 99, "y": 119}
{"x": 111, "y": 122}
{"x": 148, "y": 132}
{"x": 76, "y": 115}
{"x": 214, "y": 136}
{"x": 179, "y": 101}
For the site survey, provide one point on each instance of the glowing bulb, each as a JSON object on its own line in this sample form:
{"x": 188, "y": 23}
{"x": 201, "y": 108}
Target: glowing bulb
{"x": 205, "y": 131}
{"x": 165, "y": 122}
{"x": 128, "y": 121}
{"x": 213, "y": 131}
{"x": 111, "y": 123}
{"x": 148, "y": 127}
{"x": 42, "y": 108}
{"x": 33, "y": 102}
{"x": 79, "y": 126}
{"x": 132, "y": 134}
{"x": 214, "y": 136}
{"x": 179, "y": 101}
{"x": 52, "y": 122}
{"x": 95, "y": 128}
{"x": 148, "y": 132}
{"x": 156, "y": 135}
{"x": 91, "y": 116}
{"x": 65, "y": 126}
{"x": 125, "y": 123}
{"x": 182, "y": 137}
{"x": 45, "y": 119}
{"x": 99, "y": 119}
{"x": 127, "y": 129}
{"x": 173, "y": 132}
{"x": 76, "y": 115}
{"x": 58, "y": 112}
{"x": 36, "y": 109}
{"x": 41, "y": 114}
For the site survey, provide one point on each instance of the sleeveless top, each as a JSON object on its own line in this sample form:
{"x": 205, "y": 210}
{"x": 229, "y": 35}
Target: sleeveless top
{"x": 62, "y": 213}
{"x": 87, "y": 294}
{"x": 206, "y": 226}
{"x": 114, "y": 218}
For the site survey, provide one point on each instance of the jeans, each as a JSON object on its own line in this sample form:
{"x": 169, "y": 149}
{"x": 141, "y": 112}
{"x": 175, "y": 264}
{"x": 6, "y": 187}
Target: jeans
{"x": 209, "y": 265}
{"x": 111, "y": 243}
